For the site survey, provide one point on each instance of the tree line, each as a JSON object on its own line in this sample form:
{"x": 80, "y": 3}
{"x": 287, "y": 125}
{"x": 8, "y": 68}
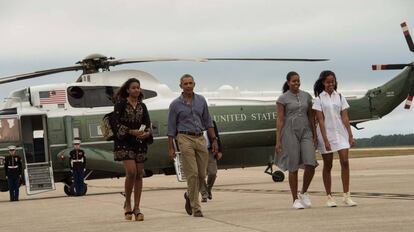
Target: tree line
{"x": 386, "y": 141}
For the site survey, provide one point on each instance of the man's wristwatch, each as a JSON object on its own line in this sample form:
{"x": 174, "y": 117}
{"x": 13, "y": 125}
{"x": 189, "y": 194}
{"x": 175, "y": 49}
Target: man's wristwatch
{"x": 214, "y": 138}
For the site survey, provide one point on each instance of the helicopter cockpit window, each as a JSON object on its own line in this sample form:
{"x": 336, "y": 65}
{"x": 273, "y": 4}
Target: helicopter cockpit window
{"x": 148, "y": 93}
{"x": 9, "y": 130}
{"x": 75, "y": 92}
{"x": 90, "y": 96}
{"x": 96, "y": 96}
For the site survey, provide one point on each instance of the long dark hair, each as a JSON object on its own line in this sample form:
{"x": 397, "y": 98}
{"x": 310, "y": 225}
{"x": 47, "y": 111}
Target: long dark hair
{"x": 122, "y": 92}
{"x": 288, "y": 77}
{"x": 318, "y": 87}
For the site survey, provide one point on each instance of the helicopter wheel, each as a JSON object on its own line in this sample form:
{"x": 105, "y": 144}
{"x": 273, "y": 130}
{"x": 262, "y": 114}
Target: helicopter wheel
{"x": 85, "y": 189}
{"x": 278, "y": 176}
{"x": 69, "y": 189}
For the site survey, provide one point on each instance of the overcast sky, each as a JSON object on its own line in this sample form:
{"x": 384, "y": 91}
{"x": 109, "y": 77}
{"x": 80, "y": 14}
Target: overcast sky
{"x": 38, "y": 35}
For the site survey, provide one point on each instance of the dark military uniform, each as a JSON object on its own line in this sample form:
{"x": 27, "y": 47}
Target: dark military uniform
{"x": 77, "y": 161}
{"x": 13, "y": 168}
{"x": 206, "y": 187}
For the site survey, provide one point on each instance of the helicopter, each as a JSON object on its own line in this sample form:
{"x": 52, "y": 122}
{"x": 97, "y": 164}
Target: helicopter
{"x": 43, "y": 120}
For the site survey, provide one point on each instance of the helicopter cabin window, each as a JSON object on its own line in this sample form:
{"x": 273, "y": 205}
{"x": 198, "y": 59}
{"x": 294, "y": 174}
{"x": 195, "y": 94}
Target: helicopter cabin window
{"x": 9, "y": 130}
{"x": 76, "y": 133}
{"x": 96, "y": 96}
{"x": 8, "y": 111}
{"x": 95, "y": 130}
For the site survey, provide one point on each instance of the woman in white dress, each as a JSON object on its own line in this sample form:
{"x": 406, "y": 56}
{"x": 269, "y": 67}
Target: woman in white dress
{"x": 333, "y": 132}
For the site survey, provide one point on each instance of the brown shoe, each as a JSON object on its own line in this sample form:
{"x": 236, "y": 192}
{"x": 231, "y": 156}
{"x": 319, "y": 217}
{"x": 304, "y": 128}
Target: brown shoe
{"x": 198, "y": 213}
{"x": 127, "y": 214}
{"x": 139, "y": 217}
{"x": 187, "y": 206}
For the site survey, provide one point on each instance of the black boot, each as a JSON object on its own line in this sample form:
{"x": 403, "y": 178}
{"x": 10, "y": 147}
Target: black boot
{"x": 210, "y": 182}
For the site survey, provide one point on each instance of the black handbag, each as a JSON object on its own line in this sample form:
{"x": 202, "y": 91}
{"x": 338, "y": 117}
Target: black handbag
{"x": 150, "y": 139}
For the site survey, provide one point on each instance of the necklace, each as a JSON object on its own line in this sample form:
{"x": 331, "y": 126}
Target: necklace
{"x": 134, "y": 104}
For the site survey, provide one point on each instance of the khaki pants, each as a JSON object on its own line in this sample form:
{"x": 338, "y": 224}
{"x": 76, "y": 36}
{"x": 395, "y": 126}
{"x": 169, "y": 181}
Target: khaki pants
{"x": 195, "y": 158}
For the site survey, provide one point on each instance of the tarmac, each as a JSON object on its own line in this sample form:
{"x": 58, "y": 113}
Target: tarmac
{"x": 243, "y": 200}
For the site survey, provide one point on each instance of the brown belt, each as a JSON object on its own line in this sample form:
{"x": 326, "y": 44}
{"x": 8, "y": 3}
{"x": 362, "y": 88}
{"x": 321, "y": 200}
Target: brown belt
{"x": 191, "y": 133}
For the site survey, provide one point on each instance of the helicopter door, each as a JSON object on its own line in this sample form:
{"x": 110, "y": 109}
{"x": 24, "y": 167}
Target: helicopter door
{"x": 38, "y": 172}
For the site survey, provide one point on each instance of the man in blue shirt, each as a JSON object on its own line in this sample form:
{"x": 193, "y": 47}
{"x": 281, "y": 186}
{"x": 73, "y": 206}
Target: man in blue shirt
{"x": 188, "y": 117}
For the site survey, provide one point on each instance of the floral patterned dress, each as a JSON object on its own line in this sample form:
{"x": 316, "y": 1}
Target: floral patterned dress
{"x": 126, "y": 117}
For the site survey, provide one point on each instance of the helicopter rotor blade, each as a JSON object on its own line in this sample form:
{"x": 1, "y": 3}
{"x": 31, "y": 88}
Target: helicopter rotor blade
{"x": 407, "y": 36}
{"x": 155, "y": 59}
{"x": 409, "y": 100}
{"x": 267, "y": 59}
{"x": 389, "y": 66}
{"x": 96, "y": 62}
{"x": 151, "y": 59}
{"x": 410, "y": 43}
{"x": 38, "y": 74}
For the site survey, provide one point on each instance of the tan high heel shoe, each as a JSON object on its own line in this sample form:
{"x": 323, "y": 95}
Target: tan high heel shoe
{"x": 127, "y": 214}
{"x": 138, "y": 216}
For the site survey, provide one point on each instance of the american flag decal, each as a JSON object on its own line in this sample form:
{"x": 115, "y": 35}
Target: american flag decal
{"x": 52, "y": 97}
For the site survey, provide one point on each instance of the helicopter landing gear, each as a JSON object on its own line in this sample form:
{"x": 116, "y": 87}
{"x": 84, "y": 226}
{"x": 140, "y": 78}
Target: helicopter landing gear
{"x": 277, "y": 176}
{"x": 85, "y": 189}
{"x": 69, "y": 188}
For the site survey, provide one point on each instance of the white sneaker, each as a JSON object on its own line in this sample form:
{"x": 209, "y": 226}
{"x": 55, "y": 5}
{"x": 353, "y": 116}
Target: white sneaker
{"x": 305, "y": 198}
{"x": 348, "y": 200}
{"x": 298, "y": 204}
{"x": 331, "y": 201}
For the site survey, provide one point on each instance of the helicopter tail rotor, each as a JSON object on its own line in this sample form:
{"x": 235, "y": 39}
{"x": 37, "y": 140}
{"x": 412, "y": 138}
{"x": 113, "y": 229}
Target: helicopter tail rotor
{"x": 410, "y": 46}
{"x": 408, "y": 102}
{"x": 389, "y": 66}
{"x": 409, "y": 40}
{"x": 407, "y": 36}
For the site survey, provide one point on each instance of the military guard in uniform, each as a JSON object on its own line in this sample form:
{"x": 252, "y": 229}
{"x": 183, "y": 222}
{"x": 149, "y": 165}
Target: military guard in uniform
{"x": 13, "y": 168}
{"x": 77, "y": 161}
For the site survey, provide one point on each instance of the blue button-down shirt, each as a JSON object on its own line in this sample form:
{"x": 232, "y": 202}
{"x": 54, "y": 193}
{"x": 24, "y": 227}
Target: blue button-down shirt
{"x": 192, "y": 117}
